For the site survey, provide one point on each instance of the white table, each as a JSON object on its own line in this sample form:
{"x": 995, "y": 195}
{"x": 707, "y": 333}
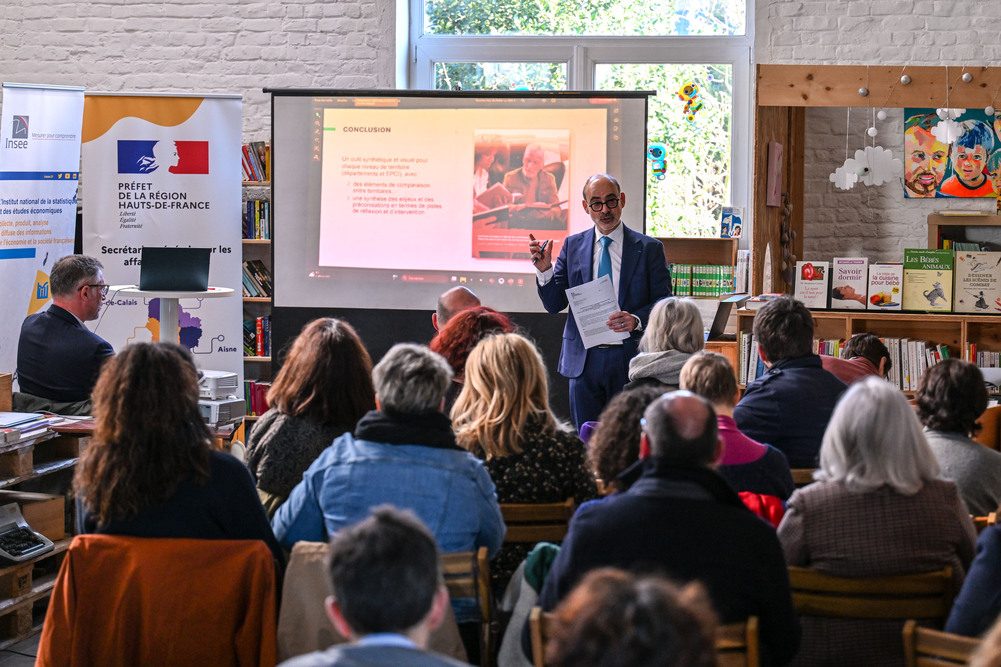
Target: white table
{"x": 169, "y": 304}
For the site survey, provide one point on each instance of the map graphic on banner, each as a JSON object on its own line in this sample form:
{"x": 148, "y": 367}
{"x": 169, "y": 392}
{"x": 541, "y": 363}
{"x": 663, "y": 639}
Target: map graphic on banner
{"x": 164, "y": 171}
{"x": 39, "y": 174}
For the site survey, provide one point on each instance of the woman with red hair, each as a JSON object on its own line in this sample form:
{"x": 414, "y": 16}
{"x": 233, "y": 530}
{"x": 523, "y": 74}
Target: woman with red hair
{"x": 460, "y": 335}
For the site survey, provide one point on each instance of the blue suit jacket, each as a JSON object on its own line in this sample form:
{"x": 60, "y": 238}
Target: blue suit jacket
{"x": 58, "y": 358}
{"x": 643, "y": 281}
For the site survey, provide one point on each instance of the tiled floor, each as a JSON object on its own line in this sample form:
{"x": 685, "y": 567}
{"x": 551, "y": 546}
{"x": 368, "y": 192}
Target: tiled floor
{"x": 21, "y": 654}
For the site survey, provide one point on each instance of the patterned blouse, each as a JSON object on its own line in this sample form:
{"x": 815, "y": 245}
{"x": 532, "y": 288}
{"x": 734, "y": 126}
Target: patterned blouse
{"x": 549, "y": 469}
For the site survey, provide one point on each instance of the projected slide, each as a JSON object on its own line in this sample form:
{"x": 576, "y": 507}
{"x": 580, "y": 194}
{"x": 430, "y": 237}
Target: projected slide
{"x": 385, "y": 200}
{"x": 385, "y": 171}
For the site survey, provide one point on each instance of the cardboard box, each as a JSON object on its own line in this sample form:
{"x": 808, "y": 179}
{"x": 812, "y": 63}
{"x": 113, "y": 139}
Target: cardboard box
{"x": 928, "y": 280}
{"x": 45, "y": 513}
{"x": 978, "y": 282}
{"x": 849, "y": 282}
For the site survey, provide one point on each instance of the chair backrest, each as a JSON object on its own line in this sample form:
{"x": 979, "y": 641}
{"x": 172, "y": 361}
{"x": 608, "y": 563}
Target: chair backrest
{"x": 981, "y": 522}
{"x": 736, "y": 643}
{"x": 924, "y": 647}
{"x": 989, "y": 434}
{"x": 467, "y": 576}
{"x": 927, "y": 595}
{"x": 537, "y": 522}
{"x": 802, "y": 476}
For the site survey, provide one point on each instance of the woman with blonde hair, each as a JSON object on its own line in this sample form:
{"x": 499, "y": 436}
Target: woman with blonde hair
{"x": 673, "y": 333}
{"x": 878, "y": 508}
{"x": 502, "y": 415}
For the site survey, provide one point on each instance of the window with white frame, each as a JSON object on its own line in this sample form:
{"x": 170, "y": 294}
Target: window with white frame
{"x": 616, "y": 44}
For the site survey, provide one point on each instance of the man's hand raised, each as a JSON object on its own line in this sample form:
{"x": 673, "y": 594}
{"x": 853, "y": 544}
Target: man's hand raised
{"x": 542, "y": 253}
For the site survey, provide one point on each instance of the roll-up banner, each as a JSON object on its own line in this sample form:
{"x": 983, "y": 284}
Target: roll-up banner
{"x": 164, "y": 170}
{"x": 39, "y": 173}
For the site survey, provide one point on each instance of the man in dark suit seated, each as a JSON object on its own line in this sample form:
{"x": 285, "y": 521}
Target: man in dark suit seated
{"x": 58, "y": 358}
{"x": 680, "y": 519}
{"x": 789, "y": 406}
{"x": 388, "y": 594}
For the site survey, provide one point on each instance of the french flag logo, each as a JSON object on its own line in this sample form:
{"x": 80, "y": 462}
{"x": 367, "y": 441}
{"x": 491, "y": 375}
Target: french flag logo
{"x": 144, "y": 156}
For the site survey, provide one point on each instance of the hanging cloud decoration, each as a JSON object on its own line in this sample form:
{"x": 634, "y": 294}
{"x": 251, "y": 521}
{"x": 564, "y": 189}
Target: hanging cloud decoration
{"x": 947, "y": 131}
{"x": 878, "y": 165}
{"x": 846, "y": 176}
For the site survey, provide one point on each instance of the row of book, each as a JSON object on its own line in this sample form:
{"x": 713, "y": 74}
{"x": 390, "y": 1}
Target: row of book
{"x": 982, "y": 358}
{"x": 20, "y": 429}
{"x": 256, "y": 279}
{"x": 701, "y": 280}
{"x": 255, "y": 397}
{"x": 256, "y": 161}
{"x": 924, "y": 282}
{"x": 257, "y": 219}
{"x": 949, "y": 244}
{"x": 909, "y": 358}
{"x": 257, "y": 336}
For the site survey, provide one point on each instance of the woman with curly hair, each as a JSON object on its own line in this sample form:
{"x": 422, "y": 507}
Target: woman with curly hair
{"x": 322, "y": 390}
{"x": 950, "y": 399}
{"x": 616, "y": 618}
{"x": 615, "y": 445}
{"x": 458, "y": 338}
{"x": 150, "y": 470}
{"x": 502, "y": 416}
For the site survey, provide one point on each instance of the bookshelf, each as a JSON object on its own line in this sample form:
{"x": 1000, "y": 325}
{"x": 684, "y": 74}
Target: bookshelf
{"x": 982, "y": 228}
{"x": 256, "y": 367}
{"x": 691, "y": 253}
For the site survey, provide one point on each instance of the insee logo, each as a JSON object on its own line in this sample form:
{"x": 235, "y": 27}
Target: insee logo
{"x": 18, "y": 134}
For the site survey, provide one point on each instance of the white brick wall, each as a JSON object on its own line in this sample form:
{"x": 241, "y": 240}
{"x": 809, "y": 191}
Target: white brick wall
{"x": 221, "y": 46}
{"x": 877, "y": 222}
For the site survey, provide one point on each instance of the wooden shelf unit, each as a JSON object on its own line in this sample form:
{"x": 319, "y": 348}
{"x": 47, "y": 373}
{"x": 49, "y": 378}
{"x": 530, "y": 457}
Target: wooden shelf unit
{"x": 683, "y": 250}
{"x": 254, "y": 367}
{"x": 954, "y": 227}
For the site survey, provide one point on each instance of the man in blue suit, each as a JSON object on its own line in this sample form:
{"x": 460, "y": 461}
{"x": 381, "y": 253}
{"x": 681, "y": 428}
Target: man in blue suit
{"x": 638, "y": 270}
{"x": 58, "y": 358}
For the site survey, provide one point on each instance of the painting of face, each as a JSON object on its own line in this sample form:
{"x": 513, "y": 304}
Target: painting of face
{"x": 969, "y": 165}
{"x": 925, "y": 161}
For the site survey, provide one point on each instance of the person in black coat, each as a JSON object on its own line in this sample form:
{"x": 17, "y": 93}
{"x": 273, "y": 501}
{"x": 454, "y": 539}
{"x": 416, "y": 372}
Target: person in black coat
{"x": 789, "y": 406}
{"x": 58, "y": 358}
{"x": 978, "y": 604}
{"x": 683, "y": 521}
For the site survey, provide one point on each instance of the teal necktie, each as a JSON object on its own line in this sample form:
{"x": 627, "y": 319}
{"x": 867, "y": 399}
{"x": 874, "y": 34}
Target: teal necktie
{"x": 605, "y": 258}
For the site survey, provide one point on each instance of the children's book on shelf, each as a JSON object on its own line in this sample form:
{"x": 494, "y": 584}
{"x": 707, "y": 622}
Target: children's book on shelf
{"x": 886, "y": 286}
{"x": 928, "y": 280}
{"x": 978, "y": 282}
{"x": 812, "y": 279}
{"x": 849, "y": 282}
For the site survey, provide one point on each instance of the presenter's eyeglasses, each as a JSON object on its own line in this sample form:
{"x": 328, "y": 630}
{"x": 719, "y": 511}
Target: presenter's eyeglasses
{"x": 610, "y": 203}
{"x": 104, "y": 288}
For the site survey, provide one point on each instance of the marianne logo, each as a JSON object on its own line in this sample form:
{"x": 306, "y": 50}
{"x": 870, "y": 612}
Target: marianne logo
{"x": 20, "y": 128}
{"x": 177, "y": 157}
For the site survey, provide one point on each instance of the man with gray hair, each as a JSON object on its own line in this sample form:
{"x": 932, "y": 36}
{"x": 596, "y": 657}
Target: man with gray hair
{"x": 682, "y": 520}
{"x": 453, "y": 301}
{"x": 58, "y": 358}
{"x": 402, "y": 453}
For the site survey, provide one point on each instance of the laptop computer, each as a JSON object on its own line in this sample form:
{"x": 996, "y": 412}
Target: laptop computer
{"x": 174, "y": 269}
{"x": 722, "y": 317}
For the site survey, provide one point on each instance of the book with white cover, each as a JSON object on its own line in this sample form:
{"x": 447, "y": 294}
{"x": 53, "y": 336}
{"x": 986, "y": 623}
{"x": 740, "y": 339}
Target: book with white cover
{"x": 812, "y": 279}
{"x": 849, "y": 282}
{"x": 886, "y": 282}
{"x": 978, "y": 282}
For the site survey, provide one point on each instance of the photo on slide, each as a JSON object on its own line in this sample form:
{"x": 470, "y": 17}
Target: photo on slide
{"x": 520, "y": 184}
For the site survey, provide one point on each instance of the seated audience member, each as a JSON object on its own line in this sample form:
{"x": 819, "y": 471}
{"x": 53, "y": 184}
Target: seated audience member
{"x": 322, "y": 390}
{"x": 878, "y": 509}
{"x": 502, "y": 416}
{"x": 988, "y": 654}
{"x": 149, "y": 469}
{"x": 978, "y": 604}
{"x": 403, "y": 453}
{"x": 614, "y": 449}
{"x": 616, "y": 618}
{"x": 451, "y": 302}
{"x": 746, "y": 464}
{"x": 864, "y": 355}
{"x": 683, "y": 520}
{"x": 58, "y": 358}
{"x": 673, "y": 334}
{"x": 388, "y": 594}
{"x": 951, "y": 397}
{"x": 458, "y": 338}
{"x": 789, "y": 406}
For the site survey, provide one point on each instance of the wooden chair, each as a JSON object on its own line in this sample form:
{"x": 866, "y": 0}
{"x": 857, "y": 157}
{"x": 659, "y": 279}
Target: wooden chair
{"x": 467, "y": 576}
{"x": 802, "y": 476}
{"x": 736, "y": 643}
{"x": 925, "y": 596}
{"x": 924, "y": 647}
{"x": 990, "y": 428}
{"x": 537, "y": 522}
{"x": 981, "y": 522}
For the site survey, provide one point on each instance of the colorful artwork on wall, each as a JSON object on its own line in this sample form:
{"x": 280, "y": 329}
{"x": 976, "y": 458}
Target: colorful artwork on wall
{"x": 955, "y": 153}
